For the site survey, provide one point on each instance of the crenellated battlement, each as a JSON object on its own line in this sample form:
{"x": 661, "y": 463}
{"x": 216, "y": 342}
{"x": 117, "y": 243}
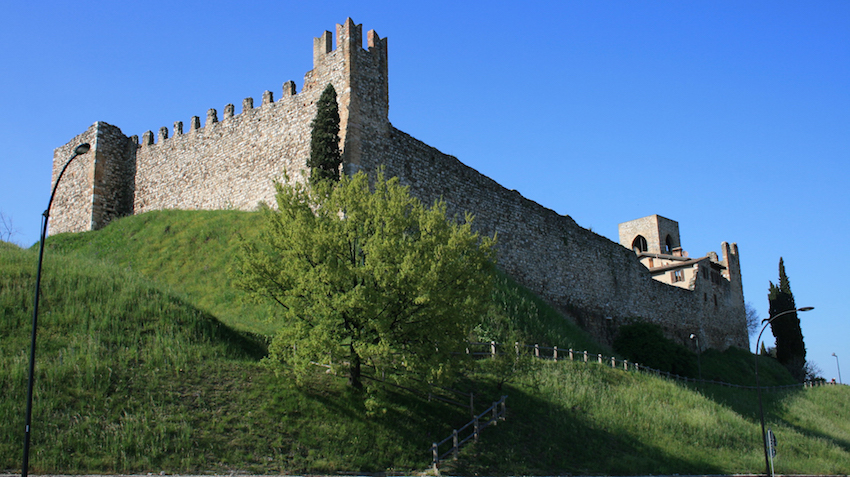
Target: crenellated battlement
{"x": 349, "y": 36}
{"x": 212, "y": 116}
{"x": 348, "y": 53}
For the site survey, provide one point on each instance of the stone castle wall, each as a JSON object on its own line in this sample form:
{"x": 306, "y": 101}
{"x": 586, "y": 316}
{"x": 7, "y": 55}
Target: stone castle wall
{"x": 231, "y": 164}
{"x": 599, "y": 283}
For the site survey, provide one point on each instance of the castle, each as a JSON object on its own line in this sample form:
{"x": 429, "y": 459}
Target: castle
{"x": 231, "y": 161}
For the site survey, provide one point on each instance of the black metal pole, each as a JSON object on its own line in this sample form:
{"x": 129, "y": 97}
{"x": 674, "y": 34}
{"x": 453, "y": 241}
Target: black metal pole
{"x": 79, "y": 150}
{"x": 766, "y": 322}
{"x": 761, "y": 409}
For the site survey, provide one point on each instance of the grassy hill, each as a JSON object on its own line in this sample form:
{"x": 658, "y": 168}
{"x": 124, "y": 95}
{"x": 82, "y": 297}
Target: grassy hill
{"x": 149, "y": 361}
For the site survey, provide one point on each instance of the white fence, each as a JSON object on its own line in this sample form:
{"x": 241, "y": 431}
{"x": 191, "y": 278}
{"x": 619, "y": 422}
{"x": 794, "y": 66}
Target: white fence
{"x": 555, "y": 353}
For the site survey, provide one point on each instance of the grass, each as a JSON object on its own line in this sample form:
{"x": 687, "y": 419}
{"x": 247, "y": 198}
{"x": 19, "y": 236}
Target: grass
{"x": 187, "y": 252}
{"x": 131, "y": 379}
{"x": 148, "y": 361}
{"x": 588, "y": 419}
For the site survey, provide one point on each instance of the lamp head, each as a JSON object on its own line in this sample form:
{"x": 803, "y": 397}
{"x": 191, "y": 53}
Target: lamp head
{"x": 693, "y": 336}
{"x": 806, "y": 308}
{"x": 82, "y": 149}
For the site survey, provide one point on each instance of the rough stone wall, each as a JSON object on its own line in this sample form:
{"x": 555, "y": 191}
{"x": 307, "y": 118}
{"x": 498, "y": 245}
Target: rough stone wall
{"x": 97, "y": 186}
{"x": 231, "y": 163}
{"x": 600, "y": 283}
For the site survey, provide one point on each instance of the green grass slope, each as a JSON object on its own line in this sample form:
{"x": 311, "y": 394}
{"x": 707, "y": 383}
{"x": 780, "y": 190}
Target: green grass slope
{"x": 149, "y": 362}
{"x": 132, "y": 379}
{"x": 588, "y": 419}
{"x": 188, "y": 252}
{"x": 191, "y": 253}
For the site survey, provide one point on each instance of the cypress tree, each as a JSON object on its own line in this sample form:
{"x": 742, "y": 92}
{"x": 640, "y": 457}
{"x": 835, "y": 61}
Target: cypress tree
{"x": 325, "y": 157}
{"x": 790, "y": 349}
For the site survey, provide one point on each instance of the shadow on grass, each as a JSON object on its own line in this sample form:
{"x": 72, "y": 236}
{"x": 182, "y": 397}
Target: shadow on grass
{"x": 744, "y": 402}
{"x": 574, "y": 445}
{"x": 355, "y": 430}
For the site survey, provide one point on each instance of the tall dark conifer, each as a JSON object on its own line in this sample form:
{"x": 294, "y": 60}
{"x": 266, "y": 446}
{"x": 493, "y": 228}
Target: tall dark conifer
{"x": 325, "y": 157}
{"x": 790, "y": 349}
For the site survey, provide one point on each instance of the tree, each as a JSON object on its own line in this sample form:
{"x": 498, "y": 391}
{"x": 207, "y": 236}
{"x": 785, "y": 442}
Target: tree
{"x": 7, "y": 230}
{"x": 367, "y": 276}
{"x": 790, "y": 349}
{"x": 325, "y": 157}
{"x": 645, "y": 343}
{"x": 753, "y": 320}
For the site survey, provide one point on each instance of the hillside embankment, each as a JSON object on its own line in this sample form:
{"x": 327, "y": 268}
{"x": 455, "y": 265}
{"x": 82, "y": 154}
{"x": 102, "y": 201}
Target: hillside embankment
{"x": 149, "y": 362}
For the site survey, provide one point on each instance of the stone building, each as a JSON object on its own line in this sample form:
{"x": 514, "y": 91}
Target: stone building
{"x": 231, "y": 161}
{"x": 668, "y": 263}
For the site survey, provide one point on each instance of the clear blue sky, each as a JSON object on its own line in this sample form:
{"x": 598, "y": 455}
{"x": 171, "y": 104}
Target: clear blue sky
{"x": 732, "y": 118}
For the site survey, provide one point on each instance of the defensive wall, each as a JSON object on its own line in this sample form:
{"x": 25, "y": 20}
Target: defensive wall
{"x": 231, "y": 162}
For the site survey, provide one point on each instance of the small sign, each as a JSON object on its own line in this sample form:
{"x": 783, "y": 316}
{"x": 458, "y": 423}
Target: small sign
{"x": 771, "y": 443}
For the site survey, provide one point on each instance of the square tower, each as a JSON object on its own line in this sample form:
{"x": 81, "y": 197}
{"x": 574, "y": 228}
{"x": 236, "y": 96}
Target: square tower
{"x": 652, "y": 234}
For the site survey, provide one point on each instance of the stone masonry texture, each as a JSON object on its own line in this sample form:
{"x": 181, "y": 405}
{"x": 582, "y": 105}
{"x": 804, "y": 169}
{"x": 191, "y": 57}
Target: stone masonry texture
{"x": 231, "y": 161}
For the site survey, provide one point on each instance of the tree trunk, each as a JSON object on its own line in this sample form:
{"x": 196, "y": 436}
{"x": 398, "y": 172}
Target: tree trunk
{"x": 354, "y": 370}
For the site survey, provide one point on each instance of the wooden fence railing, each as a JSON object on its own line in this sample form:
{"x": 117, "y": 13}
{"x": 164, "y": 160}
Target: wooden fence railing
{"x": 491, "y": 416}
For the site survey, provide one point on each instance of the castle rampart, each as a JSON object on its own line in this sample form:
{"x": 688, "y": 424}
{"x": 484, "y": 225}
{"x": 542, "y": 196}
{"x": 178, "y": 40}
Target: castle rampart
{"x": 231, "y": 163}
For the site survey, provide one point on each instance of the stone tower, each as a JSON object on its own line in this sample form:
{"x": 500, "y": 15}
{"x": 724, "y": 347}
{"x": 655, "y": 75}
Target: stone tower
{"x": 653, "y": 234}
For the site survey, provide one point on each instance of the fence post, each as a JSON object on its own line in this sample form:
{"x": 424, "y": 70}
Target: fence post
{"x": 585, "y": 356}
{"x": 435, "y": 455}
{"x": 536, "y": 350}
{"x": 571, "y": 354}
{"x": 555, "y": 353}
{"x": 454, "y": 444}
{"x": 495, "y": 417}
{"x": 516, "y": 347}
{"x": 599, "y": 358}
{"x": 493, "y": 349}
{"x": 477, "y": 428}
{"x": 626, "y": 364}
{"x": 613, "y": 362}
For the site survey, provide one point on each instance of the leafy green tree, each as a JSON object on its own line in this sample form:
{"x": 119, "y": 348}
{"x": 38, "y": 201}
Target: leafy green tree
{"x": 325, "y": 158}
{"x": 368, "y": 276}
{"x": 790, "y": 349}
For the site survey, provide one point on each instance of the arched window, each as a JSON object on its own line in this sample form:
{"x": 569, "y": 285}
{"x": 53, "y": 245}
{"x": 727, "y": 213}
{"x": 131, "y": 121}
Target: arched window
{"x": 668, "y": 245}
{"x": 639, "y": 244}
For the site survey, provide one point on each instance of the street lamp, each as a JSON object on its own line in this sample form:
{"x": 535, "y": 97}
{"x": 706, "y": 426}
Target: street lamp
{"x": 766, "y": 322}
{"x": 699, "y": 358}
{"x": 78, "y": 151}
{"x": 839, "y": 368}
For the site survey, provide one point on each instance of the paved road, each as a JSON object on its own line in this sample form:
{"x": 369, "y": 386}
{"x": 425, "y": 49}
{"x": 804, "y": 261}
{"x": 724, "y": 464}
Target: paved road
{"x": 380, "y": 474}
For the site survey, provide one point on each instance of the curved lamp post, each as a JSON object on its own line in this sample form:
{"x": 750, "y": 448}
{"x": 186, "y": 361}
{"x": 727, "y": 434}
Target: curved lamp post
{"x": 839, "y": 368}
{"x": 78, "y": 151}
{"x": 766, "y": 322}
